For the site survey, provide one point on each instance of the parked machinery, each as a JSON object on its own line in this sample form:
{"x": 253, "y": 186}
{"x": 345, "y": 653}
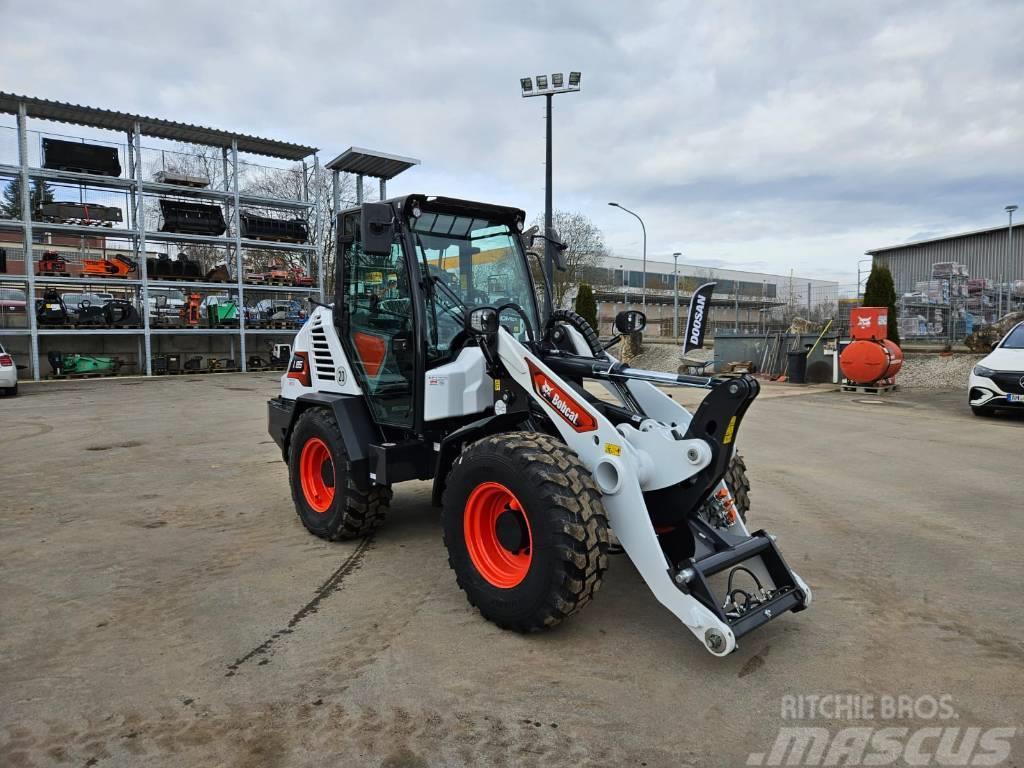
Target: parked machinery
{"x": 166, "y": 267}
{"x": 266, "y": 228}
{"x": 530, "y": 467}
{"x": 50, "y": 309}
{"x": 119, "y": 266}
{"x": 871, "y": 359}
{"x": 181, "y": 179}
{"x": 83, "y": 158}
{"x": 87, "y": 313}
{"x": 64, "y": 364}
{"x": 120, "y": 313}
{"x": 218, "y": 274}
{"x": 52, "y": 263}
{"x": 81, "y": 214}
{"x": 190, "y": 313}
{"x": 192, "y": 218}
{"x": 281, "y": 274}
{"x": 221, "y": 311}
{"x": 280, "y": 354}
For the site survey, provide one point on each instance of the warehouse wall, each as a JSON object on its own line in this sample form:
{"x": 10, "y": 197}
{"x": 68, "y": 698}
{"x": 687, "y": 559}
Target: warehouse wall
{"x": 985, "y": 255}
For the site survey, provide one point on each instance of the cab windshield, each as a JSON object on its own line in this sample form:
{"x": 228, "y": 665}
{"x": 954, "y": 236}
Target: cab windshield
{"x": 471, "y": 262}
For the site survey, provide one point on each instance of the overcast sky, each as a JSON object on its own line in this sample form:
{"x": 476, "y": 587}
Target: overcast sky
{"x": 766, "y": 136}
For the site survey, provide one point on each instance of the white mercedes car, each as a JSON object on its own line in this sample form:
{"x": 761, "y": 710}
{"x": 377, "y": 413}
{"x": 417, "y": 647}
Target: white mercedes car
{"x": 8, "y": 373}
{"x": 997, "y": 381}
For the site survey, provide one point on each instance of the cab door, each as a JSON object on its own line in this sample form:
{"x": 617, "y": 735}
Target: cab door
{"x": 376, "y": 324}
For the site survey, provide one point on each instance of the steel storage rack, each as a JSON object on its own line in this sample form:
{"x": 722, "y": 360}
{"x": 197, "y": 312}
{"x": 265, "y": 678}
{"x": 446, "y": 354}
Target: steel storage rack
{"x": 88, "y": 165}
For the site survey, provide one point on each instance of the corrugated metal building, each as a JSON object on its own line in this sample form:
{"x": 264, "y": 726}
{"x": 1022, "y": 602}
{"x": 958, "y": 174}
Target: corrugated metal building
{"x": 985, "y": 252}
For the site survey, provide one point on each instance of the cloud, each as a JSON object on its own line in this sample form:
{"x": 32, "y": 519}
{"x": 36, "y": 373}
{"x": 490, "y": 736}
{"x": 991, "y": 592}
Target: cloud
{"x": 792, "y": 135}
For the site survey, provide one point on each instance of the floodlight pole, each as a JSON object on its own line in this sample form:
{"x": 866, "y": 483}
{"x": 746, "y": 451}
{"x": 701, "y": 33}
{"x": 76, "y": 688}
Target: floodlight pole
{"x": 549, "y": 260}
{"x": 526, "y": 84}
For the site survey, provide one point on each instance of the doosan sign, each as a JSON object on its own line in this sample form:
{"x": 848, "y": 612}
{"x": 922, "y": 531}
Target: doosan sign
{"x": 696, "y": 319}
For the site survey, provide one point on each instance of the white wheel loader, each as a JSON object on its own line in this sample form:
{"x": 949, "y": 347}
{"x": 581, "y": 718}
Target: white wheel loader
{"x": 434, "y": 363}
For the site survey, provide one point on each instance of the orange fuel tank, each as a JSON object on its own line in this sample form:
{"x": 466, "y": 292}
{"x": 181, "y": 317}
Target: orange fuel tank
{"x": 866, "y": 361}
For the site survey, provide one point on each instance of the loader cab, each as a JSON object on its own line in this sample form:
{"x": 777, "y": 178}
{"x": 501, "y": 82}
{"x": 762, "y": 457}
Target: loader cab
{"x": 409, "y": 272}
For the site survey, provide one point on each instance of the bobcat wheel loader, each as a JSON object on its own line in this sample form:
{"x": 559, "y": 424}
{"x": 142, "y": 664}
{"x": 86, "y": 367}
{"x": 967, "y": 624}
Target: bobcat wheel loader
{"x": 434, "y": 363}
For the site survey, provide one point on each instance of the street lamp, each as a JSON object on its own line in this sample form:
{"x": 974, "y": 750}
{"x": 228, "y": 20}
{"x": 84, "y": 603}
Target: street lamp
{"x": 643, "y": 285}
{"x": 547, "y": 90}
{"x": 862, "y": 261}
{"x": 1009, "y": 257}
{"x": 675, "y": 298}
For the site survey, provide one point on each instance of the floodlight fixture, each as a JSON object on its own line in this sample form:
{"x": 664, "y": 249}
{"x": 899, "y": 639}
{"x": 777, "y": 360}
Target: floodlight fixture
{"x": 574, "y": 79}
{"x": 526, "y": 83}
{"x": 556, "y": 80}
{"x": 542, "y": 82}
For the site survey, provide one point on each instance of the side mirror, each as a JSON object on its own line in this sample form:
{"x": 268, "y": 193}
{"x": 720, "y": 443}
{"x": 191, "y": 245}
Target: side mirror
{"x": 558, "y": 249}
{"x": 529, "y": 236}
{"x": 482, "y": 321}
{"x": 630, "y": 321}
{"x": 378, "y": 229}
{"x": 995, "y": 344}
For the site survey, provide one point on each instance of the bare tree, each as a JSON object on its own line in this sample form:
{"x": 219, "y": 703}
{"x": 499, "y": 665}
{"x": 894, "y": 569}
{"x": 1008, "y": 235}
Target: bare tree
{"x": 281, "y": 183}
{"x": 585, "y": 249}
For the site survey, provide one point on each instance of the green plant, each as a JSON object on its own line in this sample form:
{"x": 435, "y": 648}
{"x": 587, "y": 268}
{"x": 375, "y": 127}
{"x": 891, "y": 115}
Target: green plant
{"x": 10, "y": 201}
{"x": 586, "y": 306}
{"x": 881, "y": 292}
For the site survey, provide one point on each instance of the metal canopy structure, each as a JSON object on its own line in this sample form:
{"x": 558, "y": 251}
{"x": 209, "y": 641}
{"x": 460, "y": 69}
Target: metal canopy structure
{"x": 136, "y": 233}
{"x": 75, "y": 114}
{"x": 366, "y": 162}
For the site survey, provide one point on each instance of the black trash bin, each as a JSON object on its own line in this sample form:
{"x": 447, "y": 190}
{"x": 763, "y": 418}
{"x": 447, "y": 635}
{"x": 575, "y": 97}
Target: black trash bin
{"x": 796, "y": 370}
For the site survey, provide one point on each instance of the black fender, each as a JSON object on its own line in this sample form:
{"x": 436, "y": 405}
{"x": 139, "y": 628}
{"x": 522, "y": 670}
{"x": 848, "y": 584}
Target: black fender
{"x": 358, "y": 429}
{"x": 452, "y": 444}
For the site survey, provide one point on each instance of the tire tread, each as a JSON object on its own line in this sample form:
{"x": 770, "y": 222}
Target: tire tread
{"x": 582, "y": 542}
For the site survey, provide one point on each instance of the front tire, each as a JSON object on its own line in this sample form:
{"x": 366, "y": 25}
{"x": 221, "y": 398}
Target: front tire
{"x": 327, "y": 499}
{"x": 739, "y": 485}
{"x": 982, "y": 410}
{"x": 525, "y": 529}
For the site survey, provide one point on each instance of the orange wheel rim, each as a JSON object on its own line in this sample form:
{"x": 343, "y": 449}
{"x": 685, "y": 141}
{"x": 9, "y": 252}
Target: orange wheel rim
{"x": 498, "y": 535}
{"x": 316, "y": 473}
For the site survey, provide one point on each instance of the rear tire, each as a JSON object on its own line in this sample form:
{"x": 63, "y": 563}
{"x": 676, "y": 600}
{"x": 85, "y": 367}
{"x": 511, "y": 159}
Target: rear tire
{"x": 11, "y": 391}
{"x": 327, "y": 499}
{"x": 739, "y": 485}
{"x": 525, "y": 529}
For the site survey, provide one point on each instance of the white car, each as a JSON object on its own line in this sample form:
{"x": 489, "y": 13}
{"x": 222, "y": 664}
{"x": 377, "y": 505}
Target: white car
{"x": 997, "y": 381}
{"x": 8, "y": 373}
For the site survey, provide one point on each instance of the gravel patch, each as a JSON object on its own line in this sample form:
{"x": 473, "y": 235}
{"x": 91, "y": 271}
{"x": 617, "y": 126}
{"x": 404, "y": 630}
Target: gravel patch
{"x": 667, "y": 357}
{"x": 934, "y": 371}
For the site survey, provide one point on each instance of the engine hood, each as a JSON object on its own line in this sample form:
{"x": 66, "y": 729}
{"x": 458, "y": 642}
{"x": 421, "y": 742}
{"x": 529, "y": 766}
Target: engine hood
{"x": 1005, "y": 360}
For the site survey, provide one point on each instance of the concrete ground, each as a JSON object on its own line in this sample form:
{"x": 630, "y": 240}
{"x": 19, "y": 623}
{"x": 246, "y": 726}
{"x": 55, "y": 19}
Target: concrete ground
{"x": 162, "y": 605}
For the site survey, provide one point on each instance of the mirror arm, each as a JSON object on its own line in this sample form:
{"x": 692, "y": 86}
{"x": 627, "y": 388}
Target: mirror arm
{"x": 614, "y": 340}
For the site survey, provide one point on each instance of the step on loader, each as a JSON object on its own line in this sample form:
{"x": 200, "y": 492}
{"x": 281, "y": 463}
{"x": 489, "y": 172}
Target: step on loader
{"x": 435, "y": 363}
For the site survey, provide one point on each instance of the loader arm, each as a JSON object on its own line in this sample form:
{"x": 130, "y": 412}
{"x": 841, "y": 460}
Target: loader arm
{"x": 626, "y": 462}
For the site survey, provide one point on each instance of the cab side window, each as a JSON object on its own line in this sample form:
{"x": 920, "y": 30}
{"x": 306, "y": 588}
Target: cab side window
{"x": 378, "y": 325}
